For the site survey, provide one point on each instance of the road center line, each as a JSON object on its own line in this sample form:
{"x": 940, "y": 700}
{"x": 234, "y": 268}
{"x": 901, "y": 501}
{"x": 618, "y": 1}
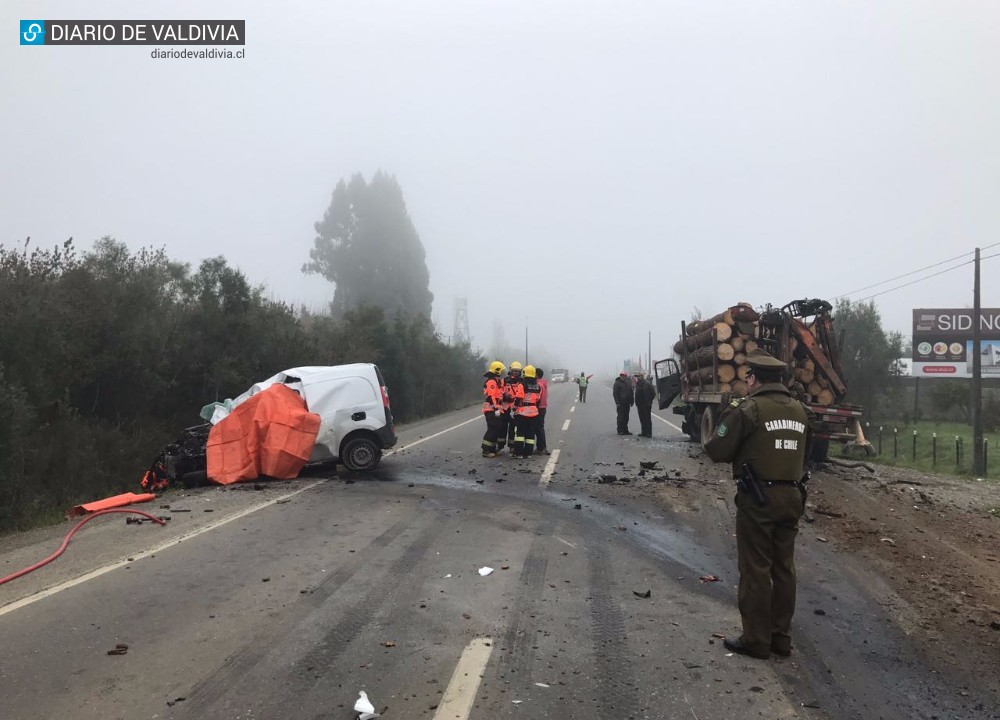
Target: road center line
{"x": 457, "y": 701}
{"x": 566, "y": 425}
{"x": 668, "y": 423}
{"x": 572, "y": 408}
{"x": 48, "y": 592}
{"x": 430, "y": 437}
{"x": 550, "y": 467}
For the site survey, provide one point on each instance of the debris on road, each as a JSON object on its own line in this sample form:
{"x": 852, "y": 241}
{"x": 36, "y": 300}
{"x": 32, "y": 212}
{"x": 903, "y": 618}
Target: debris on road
{"x": 822, "y": 539}
{"x": 120, "y": 649}
{"x": 363, "y": 705}
{"x": 114, "y": 501}
{"x": 708, "y": 578}
{"x": 541, "y": 685}
{"x": 648, "y": 465}
{"x": 484, "y": 571}
{"x": 605, "y": 478}
{"x": 647, "y": 594}
{"x": 389, "y": 643}
{"x": 505, "y": 567}
{"x": 890, "y": 541}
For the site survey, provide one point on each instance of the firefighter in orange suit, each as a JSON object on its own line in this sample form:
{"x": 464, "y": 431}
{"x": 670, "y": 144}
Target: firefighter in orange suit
{"x": 493, "y": 409}
{"x": 513, "y": 391}
{"x": 526, "y": 414}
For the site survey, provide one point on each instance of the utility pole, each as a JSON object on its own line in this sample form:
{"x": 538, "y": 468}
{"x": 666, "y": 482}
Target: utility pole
{"x": 977, "y": 380}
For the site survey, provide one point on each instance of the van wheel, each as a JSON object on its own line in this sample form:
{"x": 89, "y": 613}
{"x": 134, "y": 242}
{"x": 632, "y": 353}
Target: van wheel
{"x": 360, "y": 453}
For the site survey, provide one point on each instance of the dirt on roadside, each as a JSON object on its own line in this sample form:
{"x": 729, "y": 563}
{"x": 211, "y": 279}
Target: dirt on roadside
{"x": 932, "y": 539}
{"x": 935, "y": 541}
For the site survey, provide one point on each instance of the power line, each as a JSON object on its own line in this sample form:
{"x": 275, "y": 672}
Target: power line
{"x": 918, "y": 280}
{"x": 913, "y": 272}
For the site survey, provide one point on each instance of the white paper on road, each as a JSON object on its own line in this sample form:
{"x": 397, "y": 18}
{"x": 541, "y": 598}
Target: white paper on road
{"x": 363, "y": 705}
{"x": 541, "y": 684}
{"x": 484, "y": 571}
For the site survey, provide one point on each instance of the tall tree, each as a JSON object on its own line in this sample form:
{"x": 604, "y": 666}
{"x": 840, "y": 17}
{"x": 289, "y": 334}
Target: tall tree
{"x": 869, "y": 355}
{"x": 367, "y": 245}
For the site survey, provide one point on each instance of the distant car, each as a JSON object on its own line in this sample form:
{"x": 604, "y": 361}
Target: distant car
{"x": 352, "y": 401}
{"x": 559, "y": 375}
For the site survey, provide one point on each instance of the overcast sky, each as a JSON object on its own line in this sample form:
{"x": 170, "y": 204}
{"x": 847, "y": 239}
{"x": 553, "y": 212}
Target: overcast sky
{"x": 593, "y": 170}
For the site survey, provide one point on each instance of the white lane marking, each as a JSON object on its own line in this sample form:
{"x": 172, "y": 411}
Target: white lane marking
{"x": 566, "y": 425}
{"x": 572, "y": 409}
{"x": 430, "y": 437}
{"x": 550, "y": 467}
{"x": 48, "y": 592}
{"x": 668, "y": 423}
{"x": 457, "y": 701}
{"x": 564, "y": 542}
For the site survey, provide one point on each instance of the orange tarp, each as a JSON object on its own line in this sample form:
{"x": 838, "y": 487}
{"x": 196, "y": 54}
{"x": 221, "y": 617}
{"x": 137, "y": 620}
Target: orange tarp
{"x": 111, "y": 502}
{"x": 270, "y": 434}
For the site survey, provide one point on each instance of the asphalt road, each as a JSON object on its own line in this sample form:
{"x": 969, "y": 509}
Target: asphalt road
{"x": 285, "y": 601}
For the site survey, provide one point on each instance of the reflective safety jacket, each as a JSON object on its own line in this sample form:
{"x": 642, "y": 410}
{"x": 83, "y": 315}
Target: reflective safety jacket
{"x": 493, "y": 390}
{"x": 531, "y": 395}
{"x": 513, "y": 391}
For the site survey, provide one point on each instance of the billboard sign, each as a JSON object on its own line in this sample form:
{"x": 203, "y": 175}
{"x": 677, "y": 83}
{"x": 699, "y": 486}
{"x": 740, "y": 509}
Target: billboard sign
{"x": 942, "y": 342}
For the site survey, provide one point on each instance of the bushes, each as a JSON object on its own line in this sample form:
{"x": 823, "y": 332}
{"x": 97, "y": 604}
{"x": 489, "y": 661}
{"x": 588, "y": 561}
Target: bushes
{"x": 104, "y": 358}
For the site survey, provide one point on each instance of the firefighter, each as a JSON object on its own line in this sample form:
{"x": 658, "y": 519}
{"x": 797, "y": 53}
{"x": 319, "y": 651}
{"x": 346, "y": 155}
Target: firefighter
{"x": 767, "y": 438}
{"x": 526, "y": 415}
{"x": 513, "y": 390}
{"x": 493, "y": 408}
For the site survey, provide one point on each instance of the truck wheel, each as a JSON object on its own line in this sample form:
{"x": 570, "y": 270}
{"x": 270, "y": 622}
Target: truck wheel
{"x": 360, "y": 454}
{"x": 708, "y": 422}
{"x": 692, "y": 424}
{"x": 820, "y": 449}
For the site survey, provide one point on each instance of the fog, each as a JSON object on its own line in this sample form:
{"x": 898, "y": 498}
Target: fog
{"x": 590, "y": 171}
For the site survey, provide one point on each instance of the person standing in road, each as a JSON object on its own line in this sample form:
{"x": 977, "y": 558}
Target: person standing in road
{"x": 526, "y": 415}
{"x": 624, "y": 399}
{"x": 644, "y": 394}
{"x": 582, "y": 381}
{"x": 513, "y": 390}
{"x": 493, "y": 409}
{"x": 541, "y": 446}
{"x": 767, "y": 437}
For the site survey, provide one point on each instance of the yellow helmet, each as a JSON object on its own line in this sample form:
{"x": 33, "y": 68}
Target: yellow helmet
{"x": 515, "y": 366}
{"x": 497, "y": 368}
{"x": 529, "y": 371}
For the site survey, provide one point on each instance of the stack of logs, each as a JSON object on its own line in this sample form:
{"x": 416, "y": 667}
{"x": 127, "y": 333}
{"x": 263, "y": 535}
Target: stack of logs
{"x": 735, "y": 331}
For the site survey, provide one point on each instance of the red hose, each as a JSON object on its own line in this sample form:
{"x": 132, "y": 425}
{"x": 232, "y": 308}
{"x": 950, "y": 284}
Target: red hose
{"x": 69, "y": 536}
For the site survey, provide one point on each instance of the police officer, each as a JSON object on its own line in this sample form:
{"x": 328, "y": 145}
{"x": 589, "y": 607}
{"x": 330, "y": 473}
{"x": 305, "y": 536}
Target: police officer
{"x": 767, "y": 438}
{"x": 624, "y": 396}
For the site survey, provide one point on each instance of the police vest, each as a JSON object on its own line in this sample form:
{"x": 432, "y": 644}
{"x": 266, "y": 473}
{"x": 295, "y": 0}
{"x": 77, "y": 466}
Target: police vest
{"x": 777, "y": 447}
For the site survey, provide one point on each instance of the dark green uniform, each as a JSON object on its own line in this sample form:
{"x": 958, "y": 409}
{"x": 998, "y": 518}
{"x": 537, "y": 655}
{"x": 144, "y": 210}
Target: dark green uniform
{"x": 770, "y": 431}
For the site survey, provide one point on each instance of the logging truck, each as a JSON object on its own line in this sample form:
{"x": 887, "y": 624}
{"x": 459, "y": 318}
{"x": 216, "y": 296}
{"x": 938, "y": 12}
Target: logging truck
{"x": 709, "y": 369}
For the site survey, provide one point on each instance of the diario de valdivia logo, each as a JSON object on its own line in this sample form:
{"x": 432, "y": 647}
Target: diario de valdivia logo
{"x": 32, "y": 32}
{"x": 133, "y": 32}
